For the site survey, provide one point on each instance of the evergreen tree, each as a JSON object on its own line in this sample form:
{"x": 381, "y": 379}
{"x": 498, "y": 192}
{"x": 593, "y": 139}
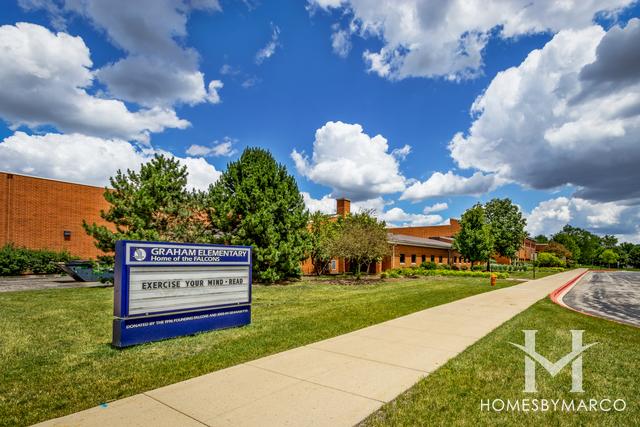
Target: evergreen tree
{"x": 474, "y": 240}
{"x": 152, "y": 204}
{"x": 255, "y": 202}
{"x": 507, "y": 227}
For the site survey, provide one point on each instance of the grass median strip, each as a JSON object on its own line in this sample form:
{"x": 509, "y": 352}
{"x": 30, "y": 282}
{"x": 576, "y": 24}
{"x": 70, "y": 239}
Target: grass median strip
{"x": 57, "y": 359}
{"x": 492, "y": 369}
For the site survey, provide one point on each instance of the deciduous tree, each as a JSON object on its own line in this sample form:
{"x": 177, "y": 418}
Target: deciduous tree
{"x": 541, "y": 238}
{"x": 361, "y": 239}
{"x": 559, "y": 250}
{"x": 634, "y": 256}
{"x": 474, "y": 240}
{"x": 323, "y": 231}
{"x": 608, "y": 256}
{"x": 507, "y": 226}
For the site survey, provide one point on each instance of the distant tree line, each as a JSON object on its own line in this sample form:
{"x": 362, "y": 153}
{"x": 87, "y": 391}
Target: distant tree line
{"x": 576, "y": 246}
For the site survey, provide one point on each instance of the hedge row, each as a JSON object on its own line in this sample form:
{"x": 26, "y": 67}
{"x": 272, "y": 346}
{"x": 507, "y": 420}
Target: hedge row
{"x": 509, "y": 267}
{"x": 15, "y": 260}
{"x": 413, "y": 272}
{"x": 552, "y": 269}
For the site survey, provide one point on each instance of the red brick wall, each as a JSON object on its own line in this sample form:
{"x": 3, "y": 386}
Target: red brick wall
{"x": 393, "y": 261}
{"x": 429, "y": 231}
{"x": 35, "y": 212}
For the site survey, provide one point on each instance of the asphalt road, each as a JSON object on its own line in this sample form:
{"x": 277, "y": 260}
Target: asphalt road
{"x": 612, "y": 295}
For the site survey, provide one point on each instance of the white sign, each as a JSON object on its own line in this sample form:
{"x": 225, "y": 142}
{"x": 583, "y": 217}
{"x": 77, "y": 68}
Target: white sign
{"x": 158, "y": 289}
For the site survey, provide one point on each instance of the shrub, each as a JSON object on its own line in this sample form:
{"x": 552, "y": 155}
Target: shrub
{"x": 464, "y": 268}
{"x": 15, "y": 260}
{"x": 546, "y": 259}
{"x": 444, "y": 267}
{"x": 428, "y": 265}
{"x": 477, "y": 268}
{"x": 498, "y": 267}
{"x": 393, "y": 274}
{"x": 408, "y": 272}
{"x": 552, "y": 269}
{"x": 413, "y": 272}
{"x": 383, "y": 275}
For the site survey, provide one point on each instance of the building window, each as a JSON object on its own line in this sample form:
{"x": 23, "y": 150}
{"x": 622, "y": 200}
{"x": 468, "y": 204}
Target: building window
{"x": 424, "y": 258}
{"x": 440, "y": 259}
{"x": 333, "y": 264}
{"x": 455, "y": 259}
{"x": 401, "y": 258}
{"x": 413, "y": 258}
{"x": 433, "y": 258}
{"x": 66, "y": 234}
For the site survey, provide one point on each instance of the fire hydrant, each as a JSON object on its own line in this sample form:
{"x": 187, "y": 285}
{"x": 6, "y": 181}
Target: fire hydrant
{"x": 493, "y": 279}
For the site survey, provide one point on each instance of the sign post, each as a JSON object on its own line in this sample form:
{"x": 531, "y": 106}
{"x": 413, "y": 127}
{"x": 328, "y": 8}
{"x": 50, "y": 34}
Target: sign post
{"x": 164, "y": 290}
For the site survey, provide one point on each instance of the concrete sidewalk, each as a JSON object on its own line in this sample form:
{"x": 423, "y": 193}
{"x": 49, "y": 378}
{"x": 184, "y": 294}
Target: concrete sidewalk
{"x": 338, "y": 381}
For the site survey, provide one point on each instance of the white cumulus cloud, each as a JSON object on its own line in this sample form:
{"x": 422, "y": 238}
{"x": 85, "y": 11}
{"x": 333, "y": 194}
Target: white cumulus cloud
{"x": 326, "y": 204}
{"x": 549, "y": 216}
{"x": 437, "y": 207}
{"x": 224, "y": 148}
{"x": 568, "y": 114}
{"x": 394, "y": 216}
{"x": 430, "y": 38}
{"x": 158, "y": 70}
{"x": 450, "y": 184}
{"x": 399, "y": 218}
{"x": 45, "y": 77}
{"x": 87, "y": 159}
{"x": 351, "y": 162}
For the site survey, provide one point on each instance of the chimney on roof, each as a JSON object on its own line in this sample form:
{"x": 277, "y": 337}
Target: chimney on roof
{"x": 343, "y": 207}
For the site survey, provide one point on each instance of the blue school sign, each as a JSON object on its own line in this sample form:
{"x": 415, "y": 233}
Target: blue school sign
{"x": 164, "y": 290}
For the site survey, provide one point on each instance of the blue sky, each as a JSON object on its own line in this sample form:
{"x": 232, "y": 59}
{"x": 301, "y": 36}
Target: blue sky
{"x": 353, "y": 70}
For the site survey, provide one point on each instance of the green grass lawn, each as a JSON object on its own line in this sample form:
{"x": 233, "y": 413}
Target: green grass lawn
{"x": 528, "y": 275}
{"x": 56, "y": 357}
{"x": 493, "y": 369}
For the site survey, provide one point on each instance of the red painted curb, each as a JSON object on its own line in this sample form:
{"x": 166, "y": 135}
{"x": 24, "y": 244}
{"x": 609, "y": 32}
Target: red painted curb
{"x": 554, "y": 294}
{"x": 554, "y": 297}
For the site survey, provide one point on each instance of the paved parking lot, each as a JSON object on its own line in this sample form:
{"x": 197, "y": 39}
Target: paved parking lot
{"x": 613, "y": 295}
{"x": 49, "y": 281}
